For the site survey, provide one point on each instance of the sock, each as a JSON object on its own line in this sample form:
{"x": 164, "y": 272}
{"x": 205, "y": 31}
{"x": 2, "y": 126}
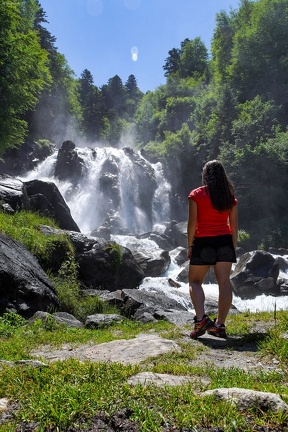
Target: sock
{"x": 217, "y": 324}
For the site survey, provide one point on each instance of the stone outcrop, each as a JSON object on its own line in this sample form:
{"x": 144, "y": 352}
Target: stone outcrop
{"x": 153, "y": 263}
{"x": 256, "y": 273}
{"x": 45, "y": 198}
{"x": 24, "y": 287}
{"x": 69, "y": 165}
{"x": 101, "y": 263}
{"x": 178, "y": 232}
{"x": 246, "y": 399}
{"x": 36, "y": 195}
{"x": 14, "y": 193}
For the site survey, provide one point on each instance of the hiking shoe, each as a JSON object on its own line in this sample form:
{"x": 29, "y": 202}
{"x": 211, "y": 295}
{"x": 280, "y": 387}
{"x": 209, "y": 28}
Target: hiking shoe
{"x": 219, "y": 332}
{"x": 200, "y": 327}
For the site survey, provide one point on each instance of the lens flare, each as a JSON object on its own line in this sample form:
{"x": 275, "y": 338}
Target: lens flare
{"x": 134, "y": 53}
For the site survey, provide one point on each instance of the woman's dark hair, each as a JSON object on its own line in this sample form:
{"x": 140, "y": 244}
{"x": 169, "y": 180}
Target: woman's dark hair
{"x": 219, "y": 186}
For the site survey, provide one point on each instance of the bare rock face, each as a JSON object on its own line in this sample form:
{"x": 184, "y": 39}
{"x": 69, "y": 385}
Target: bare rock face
{"x": 154, "y": 262}
{"x": 69, "y": 164}
{"x": 24, "y": 286}
{"x": 46, "y": 199}
{"x": 35, "y": 195}
{"x": 256, "y": 273}
{"x": 13, "y": 192}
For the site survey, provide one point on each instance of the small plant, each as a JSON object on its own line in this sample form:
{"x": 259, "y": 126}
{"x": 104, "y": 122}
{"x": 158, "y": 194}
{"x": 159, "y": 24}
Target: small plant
{"x": 9, "y": 322}
{"x": 243, "y": 238}
{"x": 114, "y": 250}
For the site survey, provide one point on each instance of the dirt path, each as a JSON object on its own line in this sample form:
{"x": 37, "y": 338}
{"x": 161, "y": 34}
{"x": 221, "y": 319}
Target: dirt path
{"x": 225, "y": 353}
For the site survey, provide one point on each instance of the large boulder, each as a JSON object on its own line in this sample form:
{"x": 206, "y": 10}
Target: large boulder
{"x": 13, "y": 192}
{"x": 149, "y": 307}
{"x": 69, "y": 165}
{"x": 178, "y": 232}
{"x": 24, "y": 287}
{"x": 102, "y": 264}
{"x": 154, "y": 262}
{"x": 256, "y": 273}
{"x": 46, "y": 199}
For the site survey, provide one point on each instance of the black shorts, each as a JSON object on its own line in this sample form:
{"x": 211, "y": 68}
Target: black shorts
{"x": 210, "y": 250}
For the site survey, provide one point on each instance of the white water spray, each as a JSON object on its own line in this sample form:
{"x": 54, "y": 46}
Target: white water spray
{"x": 88, "y": 204}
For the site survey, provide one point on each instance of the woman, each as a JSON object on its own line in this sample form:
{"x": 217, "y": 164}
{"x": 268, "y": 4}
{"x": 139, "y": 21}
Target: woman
{"x": 212, "y": 237}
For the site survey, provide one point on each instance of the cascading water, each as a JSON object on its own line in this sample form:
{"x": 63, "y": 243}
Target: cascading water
{"x": 124, "y": 189}
{"x": 120, "y": 187}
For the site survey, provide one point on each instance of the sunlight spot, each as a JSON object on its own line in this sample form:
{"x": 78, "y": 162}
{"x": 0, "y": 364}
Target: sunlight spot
{"x": 95, "y": 7}
{"x": 134, "y": 53}
{"x": 132, "y": 4}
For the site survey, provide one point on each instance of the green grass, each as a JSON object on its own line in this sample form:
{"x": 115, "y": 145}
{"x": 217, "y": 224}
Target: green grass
{"x": 67, "y": 392}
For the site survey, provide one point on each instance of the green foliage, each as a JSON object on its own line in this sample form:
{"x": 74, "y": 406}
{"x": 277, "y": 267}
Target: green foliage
{"x": 115, "y": 252}
{"x": 73, "y": 301}
{"x": 23, "y": 69}
{"x": 9, "y": 323}
{"x": 243, "y": 239}
{"x": 191, "y": 60}
{"x": 24, "y": 227}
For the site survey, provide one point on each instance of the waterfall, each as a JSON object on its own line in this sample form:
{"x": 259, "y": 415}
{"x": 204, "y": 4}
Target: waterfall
{"x": 116, "y": 185}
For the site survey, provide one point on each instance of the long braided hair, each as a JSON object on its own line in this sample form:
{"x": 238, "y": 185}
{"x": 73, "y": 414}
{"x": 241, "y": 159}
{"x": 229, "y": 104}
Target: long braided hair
{"x": 218, "y": 185}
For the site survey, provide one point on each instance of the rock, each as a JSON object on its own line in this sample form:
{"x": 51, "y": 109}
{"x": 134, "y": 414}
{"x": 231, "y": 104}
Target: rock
{"x": 102, "y": 264}
{"x": 278, "y": 251}
{"x": 178, "y": 233}
{"x": 13, "y": 192}
{"x": 255, "y": 273}
{"x": 154, "y": 262}
{"x": 101, "y": 320}
{"x": 163, "y": 241}
{"x": 4, "y": 404}
{"x": 179, "y": 255}
{"x": 113, "y": 298}
{"x": 282, "y": 264}
{"x": 158, "y": 379}
{"x": 173, "y": 283}
{"x": 17, "y": 161}
{"x": 131, "y": 351}
{"x": 24, "y": 287}
{"x": 46, "y": 199}
{"x": 58, "y": 317}
{"x": 69, "y": 165}
{"x": 250, "y": 399}
{"x": 144, "y": 306}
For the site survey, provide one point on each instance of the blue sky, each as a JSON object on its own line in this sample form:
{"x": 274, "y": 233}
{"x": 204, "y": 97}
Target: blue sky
{"x": 123, "y": 37}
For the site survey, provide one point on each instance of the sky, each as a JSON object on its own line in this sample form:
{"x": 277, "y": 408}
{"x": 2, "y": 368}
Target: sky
{"x": 124, "y": 37}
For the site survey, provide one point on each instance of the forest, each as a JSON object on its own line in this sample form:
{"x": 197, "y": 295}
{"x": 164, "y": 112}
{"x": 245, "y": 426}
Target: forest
{"x": 230, "y": 104}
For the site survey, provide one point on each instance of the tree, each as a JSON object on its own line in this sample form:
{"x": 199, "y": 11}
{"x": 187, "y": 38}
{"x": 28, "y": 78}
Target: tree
{"x": 194, "y": 59}
{"x": 259, "y": 64}
{"x": 172, "y": 63}
{"x": 133, "y": 96}
{"x": 92, "y": 106}
{"x": 23, "y": 70}
{"x": 222, "y": 44}
{"x": 189, "y": 61}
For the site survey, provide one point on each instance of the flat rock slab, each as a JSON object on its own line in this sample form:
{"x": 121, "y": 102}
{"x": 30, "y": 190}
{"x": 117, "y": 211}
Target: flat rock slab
{"x": 162, "y": 380}
{"x": 131, "y": 351}
{"x": 3, "y": 404}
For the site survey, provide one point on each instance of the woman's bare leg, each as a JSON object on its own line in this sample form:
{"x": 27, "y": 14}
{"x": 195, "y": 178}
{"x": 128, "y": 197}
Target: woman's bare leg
{"x": 196, "y": 278}
{"x": 222, "y": 272}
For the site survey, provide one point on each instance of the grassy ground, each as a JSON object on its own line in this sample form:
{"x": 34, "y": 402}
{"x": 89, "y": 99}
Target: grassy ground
{"x": 68, "y": 393}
